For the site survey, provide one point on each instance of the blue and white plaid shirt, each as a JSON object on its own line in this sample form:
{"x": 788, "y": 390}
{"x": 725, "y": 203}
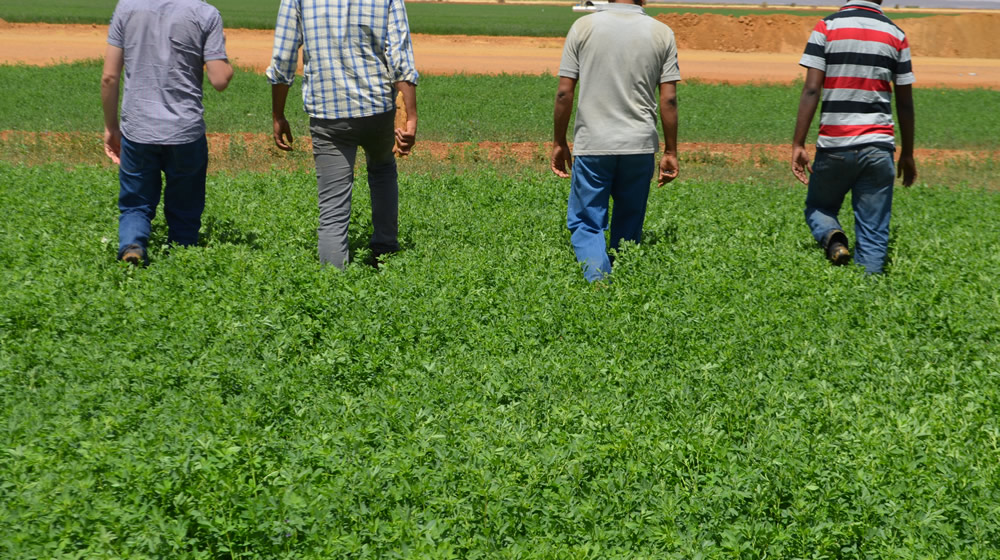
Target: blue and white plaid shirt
{"x": 353, "y": 53}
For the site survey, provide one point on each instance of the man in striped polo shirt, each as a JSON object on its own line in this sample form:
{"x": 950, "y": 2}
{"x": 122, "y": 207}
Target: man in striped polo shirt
{"x": 854, "y": 57}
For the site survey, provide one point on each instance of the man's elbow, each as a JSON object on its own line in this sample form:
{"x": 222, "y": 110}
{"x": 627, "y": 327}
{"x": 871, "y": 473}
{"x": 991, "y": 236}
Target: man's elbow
{"x": 223, "y": 82}
{"x": 220, "y": 75}
{"x": 220, "y": 85}
{"x": 810, "y": 91}
{"x": 109, "y": 81}
{"x": 904, "y": 105}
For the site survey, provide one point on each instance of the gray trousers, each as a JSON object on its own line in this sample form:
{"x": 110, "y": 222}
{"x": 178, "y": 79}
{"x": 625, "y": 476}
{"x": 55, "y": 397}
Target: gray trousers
{"x": 335, "y": 148}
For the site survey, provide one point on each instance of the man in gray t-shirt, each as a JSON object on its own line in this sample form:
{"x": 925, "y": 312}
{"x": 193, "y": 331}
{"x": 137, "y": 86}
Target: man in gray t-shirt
{"x": 625, "y": 61}
{"x": 163, "y": 46}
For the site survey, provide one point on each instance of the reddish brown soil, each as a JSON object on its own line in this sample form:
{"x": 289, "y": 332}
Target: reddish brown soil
{"x": 953, "y": 50}
{"x": 958, "y": 36}
{"x": 256, "y": 152}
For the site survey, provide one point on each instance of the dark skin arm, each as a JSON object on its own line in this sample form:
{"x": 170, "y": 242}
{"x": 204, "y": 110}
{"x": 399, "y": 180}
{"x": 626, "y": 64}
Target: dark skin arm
{"x": 668, "y": 118}
{"x": 282, "y": 131}
{"x": 907, "y": 167}
{"x": 807, "y": 109}
{"x": 564, "y": 108}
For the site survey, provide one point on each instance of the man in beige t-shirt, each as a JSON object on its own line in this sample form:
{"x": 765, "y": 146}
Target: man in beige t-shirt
{"x": 625, "y": 61}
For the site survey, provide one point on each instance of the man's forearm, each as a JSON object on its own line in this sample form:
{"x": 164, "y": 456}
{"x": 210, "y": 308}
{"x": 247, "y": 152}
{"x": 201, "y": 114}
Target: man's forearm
{"x": 807, "y": 110}
{"x": 907, "y": 120}
{"x": 563, "y": 109}
{"x": 668, "y": 116}
{"x": 808, "y": 102}
{"x": 906, "y": 131}
{"x": 109, "y": 101}
{"x": 409, "y": 91}
{"x": 279, "y": 94}
{"x": 561, "y": 121}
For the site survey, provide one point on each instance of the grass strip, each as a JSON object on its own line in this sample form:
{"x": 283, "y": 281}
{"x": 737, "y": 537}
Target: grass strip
{"x": 440, "y": 18}
{"x": 729, "y": 395}
{"x": 504, "y": 108}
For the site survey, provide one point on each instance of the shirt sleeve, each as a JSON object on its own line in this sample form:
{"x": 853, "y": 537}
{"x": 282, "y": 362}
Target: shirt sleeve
{"x": 116, "y": 31}
{"x": 399, "y": 47}
{"x": 287, "y": 40}
{"x": 569, "y": 66}
{"x": 815, "y": 54}
{"x": 904, "y": 67}
{"x": 671, "y": 71}
{"x": 215, "y": 41}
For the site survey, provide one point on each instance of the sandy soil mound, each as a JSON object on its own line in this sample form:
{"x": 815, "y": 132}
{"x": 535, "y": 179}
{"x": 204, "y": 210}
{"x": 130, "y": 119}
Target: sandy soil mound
{"x": 959, "y": 36}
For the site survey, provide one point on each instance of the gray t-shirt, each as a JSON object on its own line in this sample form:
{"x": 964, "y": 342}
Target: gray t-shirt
{"x": 165, "y": 44}
{"x": 620, "y": 56}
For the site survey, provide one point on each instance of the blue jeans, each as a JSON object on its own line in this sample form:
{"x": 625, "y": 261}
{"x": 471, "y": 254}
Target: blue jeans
{"x": 868, "y": 172}
{"x": 184, "y": 198}
{"x": 596, "y": 179}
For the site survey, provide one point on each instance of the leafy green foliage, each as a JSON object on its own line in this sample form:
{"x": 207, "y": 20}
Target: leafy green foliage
{"x": 439, "y": 18}
{"x": 728, "y": 395}
{"x": 504, "y": 108}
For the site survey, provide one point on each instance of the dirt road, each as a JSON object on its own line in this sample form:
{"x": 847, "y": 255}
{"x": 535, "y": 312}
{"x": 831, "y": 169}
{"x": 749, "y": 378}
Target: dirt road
{"x": 40, "y": 44}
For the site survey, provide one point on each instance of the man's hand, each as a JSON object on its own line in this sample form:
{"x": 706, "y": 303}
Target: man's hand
{"x": 282, "y": 134}
{"x": 406, "y": 138}
{"x": 800, "y": 164}
{"x": 668, "y": 168}
{"x": 113, "y": 144}
{"x": 907, "y": 169}
{"x": 560, "y": 158}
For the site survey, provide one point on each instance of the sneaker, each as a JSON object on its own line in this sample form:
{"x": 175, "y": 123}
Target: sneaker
{"x": 133, "y": 255}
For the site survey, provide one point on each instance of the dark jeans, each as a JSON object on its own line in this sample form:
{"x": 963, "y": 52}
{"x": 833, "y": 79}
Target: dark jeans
{"x": 868, "y": 173}
{"x": 335, "y": 148}
{"x": 184, "y": 197}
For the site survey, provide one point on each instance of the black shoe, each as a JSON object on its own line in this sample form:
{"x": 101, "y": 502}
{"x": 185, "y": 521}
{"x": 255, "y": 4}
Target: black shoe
{"x": 836, "y": 248}
{"x": 133, "y": 255}
{"x": 380, "y": 255}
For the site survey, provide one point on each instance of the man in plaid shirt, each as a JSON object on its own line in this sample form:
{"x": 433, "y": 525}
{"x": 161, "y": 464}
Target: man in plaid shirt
{"x": 356, "y": 55}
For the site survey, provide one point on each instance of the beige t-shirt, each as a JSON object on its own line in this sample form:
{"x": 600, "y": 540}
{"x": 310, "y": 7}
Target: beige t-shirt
{"x": 619, "y": 56}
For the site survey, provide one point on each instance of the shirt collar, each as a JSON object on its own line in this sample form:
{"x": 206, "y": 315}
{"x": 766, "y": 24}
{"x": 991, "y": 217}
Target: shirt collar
{"x": 621, "y": 7}
{"x": 863, "y": 4}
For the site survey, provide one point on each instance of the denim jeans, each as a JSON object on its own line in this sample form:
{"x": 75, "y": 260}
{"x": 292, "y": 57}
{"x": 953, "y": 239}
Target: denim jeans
{"x": 596, "y": 179}
{"x": 139, "y": 191}
{"x": 869, "y": 173}
{"x": 335, "y": 148}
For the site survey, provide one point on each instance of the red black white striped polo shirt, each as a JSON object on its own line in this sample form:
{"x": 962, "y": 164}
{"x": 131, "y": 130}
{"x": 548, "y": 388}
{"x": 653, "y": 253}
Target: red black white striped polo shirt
{"x": 862, "y": 53}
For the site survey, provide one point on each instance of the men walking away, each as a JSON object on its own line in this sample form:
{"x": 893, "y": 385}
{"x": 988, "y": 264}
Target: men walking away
{"x": 624, "y": 61}
{"x": 163, "y": 46}
{"x": 355, "y": 53}
{"x": 853, "y": 57}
